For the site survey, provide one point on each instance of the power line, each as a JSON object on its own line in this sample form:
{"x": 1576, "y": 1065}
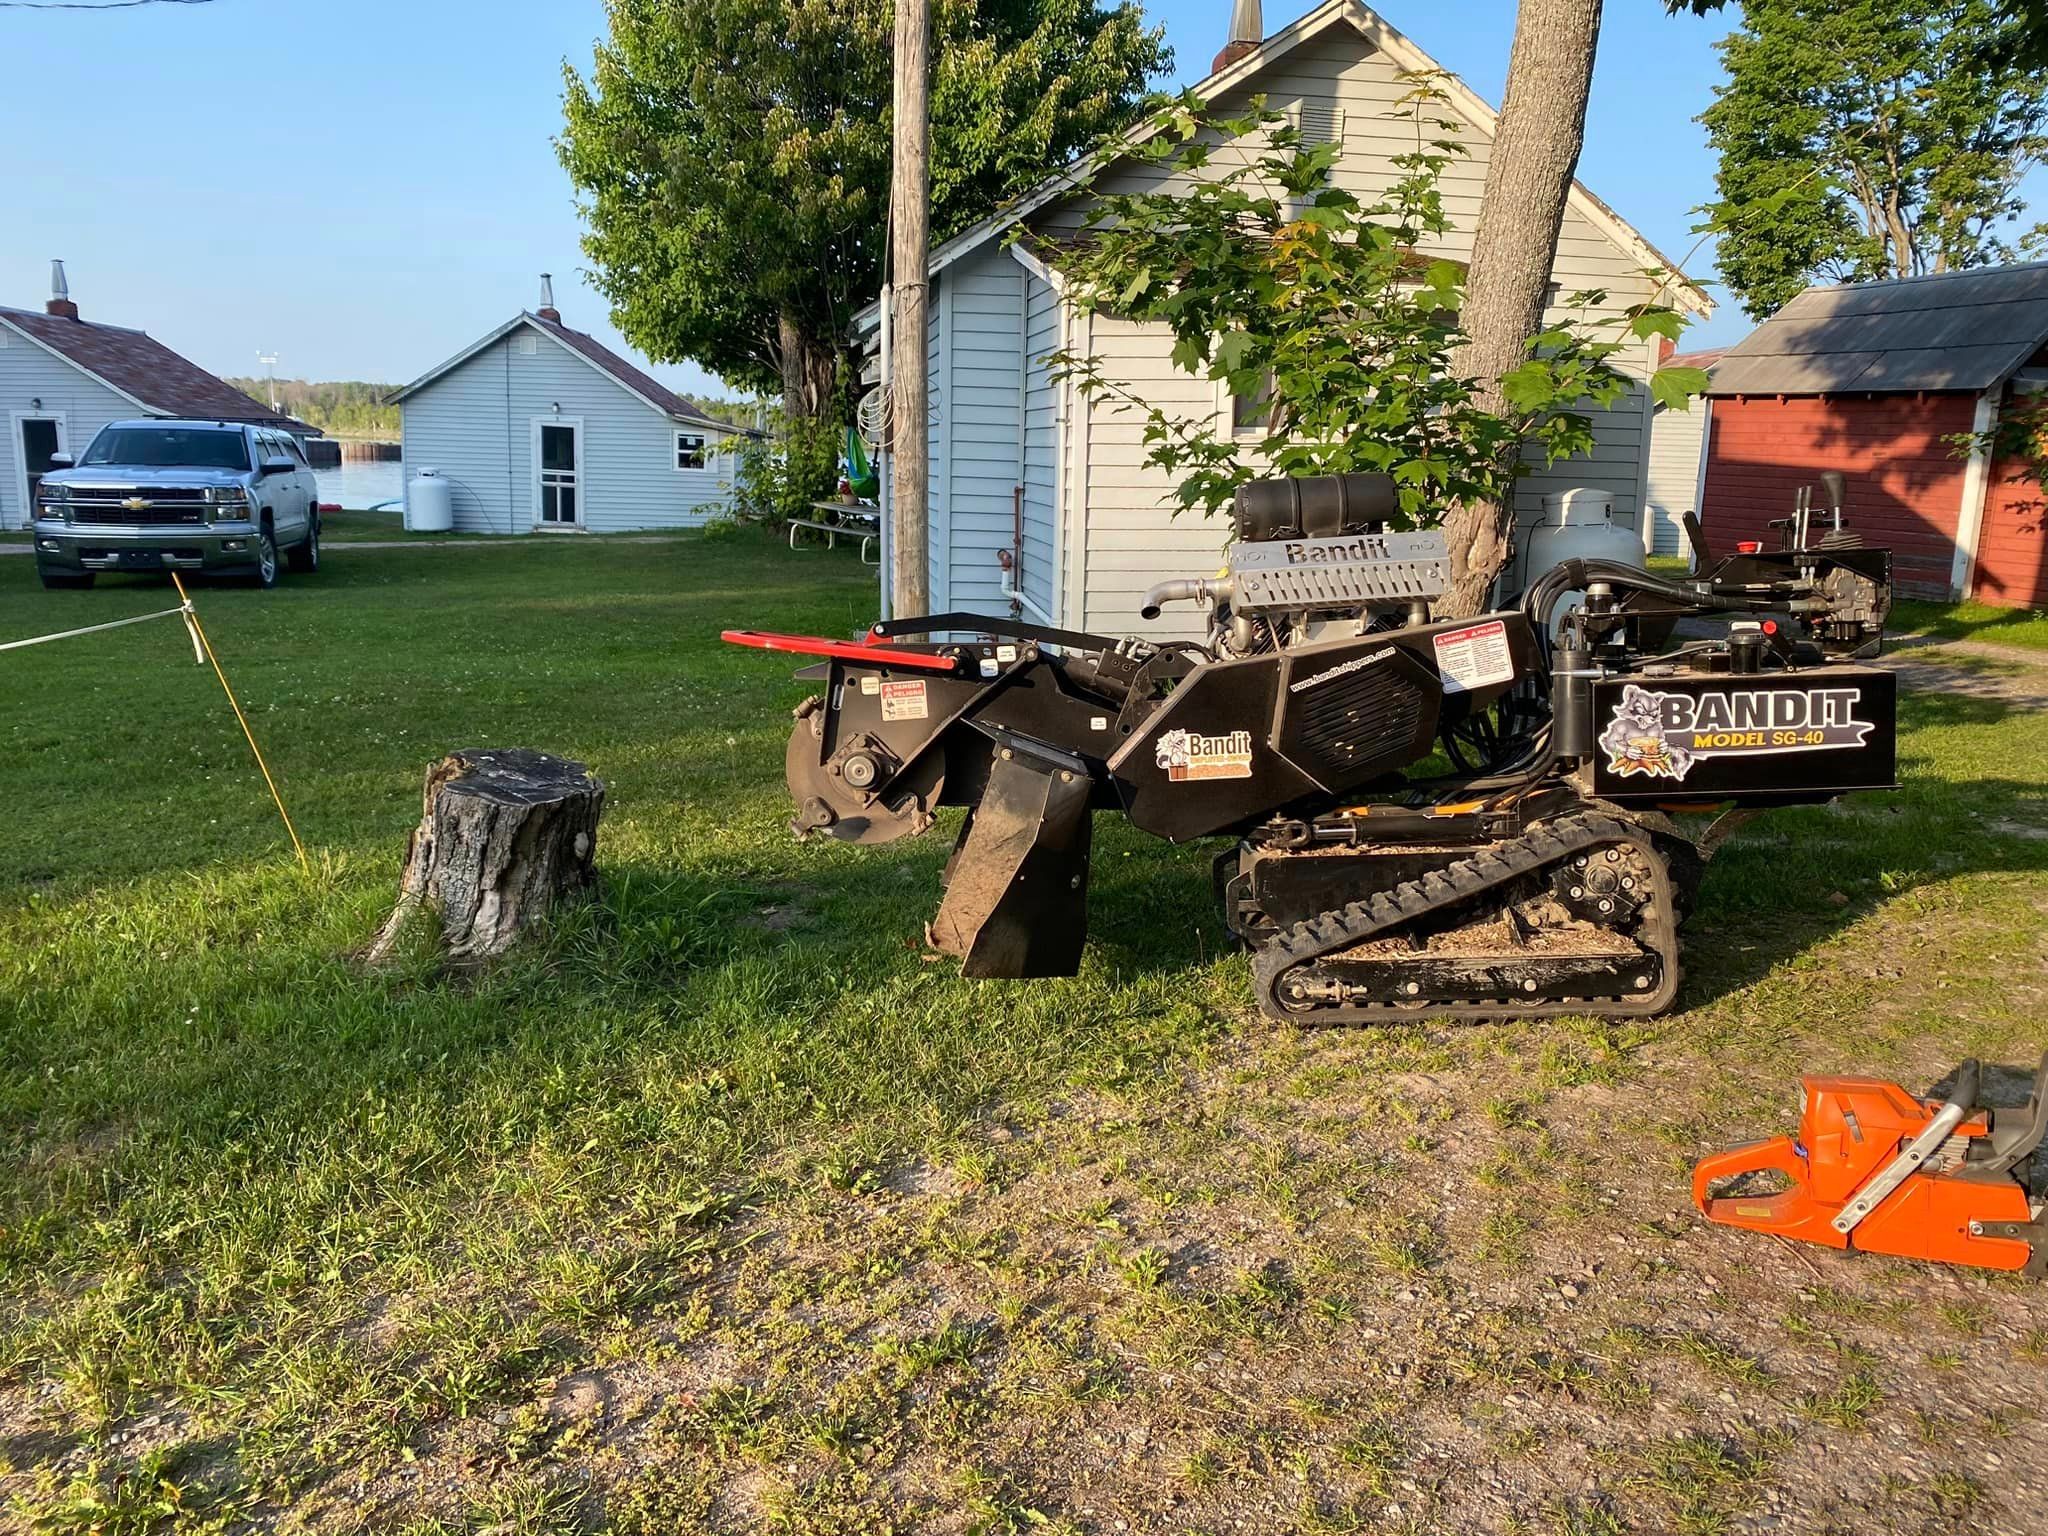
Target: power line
{"x": 89, "y": 5}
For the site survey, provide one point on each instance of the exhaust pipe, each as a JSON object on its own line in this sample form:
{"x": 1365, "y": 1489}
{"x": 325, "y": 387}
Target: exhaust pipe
{"x": 1185, "y": 589}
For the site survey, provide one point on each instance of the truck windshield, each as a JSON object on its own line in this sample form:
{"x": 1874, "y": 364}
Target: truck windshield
{"x": 170, "y": 448}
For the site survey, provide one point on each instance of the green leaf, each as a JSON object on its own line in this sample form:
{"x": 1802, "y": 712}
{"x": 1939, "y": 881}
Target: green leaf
{"x": 1676, "y": 387}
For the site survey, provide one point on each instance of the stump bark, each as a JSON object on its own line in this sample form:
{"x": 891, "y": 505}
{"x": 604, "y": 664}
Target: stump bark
{"x": 504, "y": 835}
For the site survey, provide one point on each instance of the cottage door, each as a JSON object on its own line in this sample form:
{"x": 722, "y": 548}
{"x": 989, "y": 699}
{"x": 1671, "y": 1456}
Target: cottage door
{"x": 559, "y": 497}
{"x": 39, "y": 441}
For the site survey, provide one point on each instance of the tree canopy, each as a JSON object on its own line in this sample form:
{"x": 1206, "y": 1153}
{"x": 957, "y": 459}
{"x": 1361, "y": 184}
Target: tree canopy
{"x": 1331, "y": 314}
{"x": 1868, "y": 139}
{"x": 733, "y": 158}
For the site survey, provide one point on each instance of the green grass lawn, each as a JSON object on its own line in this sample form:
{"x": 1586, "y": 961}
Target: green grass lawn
{"x": 832, "y": 1239}
{"x": 1974, "y": 621}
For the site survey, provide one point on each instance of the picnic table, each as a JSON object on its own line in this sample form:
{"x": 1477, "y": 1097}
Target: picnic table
{"x": 856, "y": 520}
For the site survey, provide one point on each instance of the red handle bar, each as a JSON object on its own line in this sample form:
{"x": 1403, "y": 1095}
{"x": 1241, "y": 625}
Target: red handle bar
{"x": 845, "y": 650}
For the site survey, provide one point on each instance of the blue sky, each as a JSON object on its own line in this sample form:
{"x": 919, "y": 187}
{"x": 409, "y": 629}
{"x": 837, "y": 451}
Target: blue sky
{"x": 367, "y": 186}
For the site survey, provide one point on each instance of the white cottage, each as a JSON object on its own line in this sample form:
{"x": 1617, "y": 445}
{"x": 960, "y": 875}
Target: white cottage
{"x": 538, "y": 428}
{"x": 63, "y": 377}
{"x": 1028, "y": 476}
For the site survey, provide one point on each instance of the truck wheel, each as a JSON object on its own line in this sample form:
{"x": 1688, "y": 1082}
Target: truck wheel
{"x": 266, "y": 555}
{"x": 305, "y": 557}
{"x": 65, "y": 581}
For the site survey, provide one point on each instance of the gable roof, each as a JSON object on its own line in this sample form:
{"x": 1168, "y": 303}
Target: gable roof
{"x": 142, "y": 370}
{"x": 1386, "y": 39}
{"x": 589, "y": 349}
{"x": 1950, "y": 331}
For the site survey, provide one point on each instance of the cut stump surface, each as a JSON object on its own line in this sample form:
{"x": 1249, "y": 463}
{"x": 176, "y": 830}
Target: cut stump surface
{"x": 504, "y": 834}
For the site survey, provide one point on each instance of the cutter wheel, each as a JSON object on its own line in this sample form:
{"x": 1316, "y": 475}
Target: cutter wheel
{"x": 1577, "y": 915}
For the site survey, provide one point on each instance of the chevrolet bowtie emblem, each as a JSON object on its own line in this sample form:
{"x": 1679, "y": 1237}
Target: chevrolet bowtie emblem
{"x": 137, "y": 503}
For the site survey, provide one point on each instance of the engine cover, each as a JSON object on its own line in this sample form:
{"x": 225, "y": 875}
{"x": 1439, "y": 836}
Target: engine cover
{"x": 1242, "y": 739}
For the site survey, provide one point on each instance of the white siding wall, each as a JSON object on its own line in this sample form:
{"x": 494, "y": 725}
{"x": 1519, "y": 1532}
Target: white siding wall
{"x": 1133, "y": 538}
{"x": 1676, "y": 440}
{"x": 1041, "y": 446}
{"x": 27, "y": 372}
{"x": 475, "y": 425}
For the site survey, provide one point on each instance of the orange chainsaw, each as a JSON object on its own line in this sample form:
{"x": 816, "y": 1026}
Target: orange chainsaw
{"x": 1876, "y": 1169}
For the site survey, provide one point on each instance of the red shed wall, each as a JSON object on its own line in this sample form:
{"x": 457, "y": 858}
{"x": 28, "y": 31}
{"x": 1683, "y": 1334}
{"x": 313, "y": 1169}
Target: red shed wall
{"x": 1905, "y": 481}
{"x": 2012, "y": 547}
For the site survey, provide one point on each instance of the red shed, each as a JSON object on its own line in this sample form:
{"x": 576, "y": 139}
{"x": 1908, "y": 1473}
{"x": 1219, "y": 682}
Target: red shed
{"x": 1879, "y": 380}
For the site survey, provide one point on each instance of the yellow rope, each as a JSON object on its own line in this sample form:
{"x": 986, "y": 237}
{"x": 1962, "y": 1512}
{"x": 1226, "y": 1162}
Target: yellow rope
{"x": 192, "y": 614}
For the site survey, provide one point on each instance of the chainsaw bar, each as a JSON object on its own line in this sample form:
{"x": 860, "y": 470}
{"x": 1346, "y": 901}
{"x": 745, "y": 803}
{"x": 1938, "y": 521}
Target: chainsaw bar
{"x": 1301, "y": 977}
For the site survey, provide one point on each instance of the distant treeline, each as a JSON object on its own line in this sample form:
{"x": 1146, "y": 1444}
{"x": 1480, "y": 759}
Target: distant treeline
{"x": 349, "y": 408}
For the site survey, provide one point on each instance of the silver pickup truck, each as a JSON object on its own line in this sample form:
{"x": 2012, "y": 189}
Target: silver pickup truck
{"x": 210, "y": 496}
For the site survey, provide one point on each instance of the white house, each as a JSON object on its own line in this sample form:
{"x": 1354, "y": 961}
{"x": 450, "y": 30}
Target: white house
{"x": 1030, "y": 477}
{"x": 1678, "y": 464}
{"x": 62, "y": 378}
{"x": 538, "y": 428}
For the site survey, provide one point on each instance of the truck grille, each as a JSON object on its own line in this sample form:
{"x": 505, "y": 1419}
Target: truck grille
{"x": 96, "y": 514}
{"x": 104, "y": 505}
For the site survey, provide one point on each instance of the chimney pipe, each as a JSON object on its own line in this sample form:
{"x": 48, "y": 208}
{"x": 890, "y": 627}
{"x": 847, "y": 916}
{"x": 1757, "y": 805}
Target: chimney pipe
{"x": 1247, "y": 31}
{"x": 60, "y": 303}
{"x": 547, "y": 309}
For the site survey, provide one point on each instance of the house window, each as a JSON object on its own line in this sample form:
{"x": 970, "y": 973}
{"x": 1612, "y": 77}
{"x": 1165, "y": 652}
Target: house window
{"x": 1251, "y": 415}
{"x": 691, "y": 451}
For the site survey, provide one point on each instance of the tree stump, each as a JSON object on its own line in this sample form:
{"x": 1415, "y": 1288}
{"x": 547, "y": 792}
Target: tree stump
{"x": 504, "y": 834}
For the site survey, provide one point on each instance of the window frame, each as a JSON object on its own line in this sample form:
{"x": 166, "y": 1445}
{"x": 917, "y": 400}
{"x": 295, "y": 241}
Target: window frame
{"x": 706, "y": 452}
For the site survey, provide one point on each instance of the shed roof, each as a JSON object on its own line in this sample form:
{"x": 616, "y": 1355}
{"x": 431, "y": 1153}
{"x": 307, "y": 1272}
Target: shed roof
{"x": 1947, "y": 332}
{"x": 598, "y": 356}
{"x": 142, "y": 369}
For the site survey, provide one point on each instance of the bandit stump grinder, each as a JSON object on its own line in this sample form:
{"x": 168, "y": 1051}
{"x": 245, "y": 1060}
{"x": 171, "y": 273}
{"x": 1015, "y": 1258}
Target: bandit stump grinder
{"x": 1469, "y": 818}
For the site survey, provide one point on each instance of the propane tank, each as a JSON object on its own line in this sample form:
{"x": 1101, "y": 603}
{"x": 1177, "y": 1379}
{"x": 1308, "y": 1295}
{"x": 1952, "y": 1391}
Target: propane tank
{"x": 1577, "y": 525}
{"x": 429, "y": 502}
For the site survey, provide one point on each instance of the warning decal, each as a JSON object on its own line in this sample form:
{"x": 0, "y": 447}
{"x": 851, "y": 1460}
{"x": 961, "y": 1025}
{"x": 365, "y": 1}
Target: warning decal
{"x": 903, "y": 700}
{"x": 1476, "y": 657}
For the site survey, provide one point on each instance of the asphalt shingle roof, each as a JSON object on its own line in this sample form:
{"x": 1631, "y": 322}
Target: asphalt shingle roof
{"x": 140, "y": 366}
{"x": 1952, "y": 331}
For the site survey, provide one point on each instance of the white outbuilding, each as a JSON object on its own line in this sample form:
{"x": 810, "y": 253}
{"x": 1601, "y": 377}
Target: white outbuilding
{"x": 537, "y": 428}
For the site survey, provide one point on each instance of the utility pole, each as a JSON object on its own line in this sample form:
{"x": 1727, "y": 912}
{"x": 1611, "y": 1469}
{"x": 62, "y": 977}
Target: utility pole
{"x": 909, "y": 231}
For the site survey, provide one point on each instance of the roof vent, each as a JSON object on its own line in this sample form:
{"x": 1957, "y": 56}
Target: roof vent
{"x": 60, "y": 303}
{"x": 1247, "y": 31}
{"x": 547, "y": 310}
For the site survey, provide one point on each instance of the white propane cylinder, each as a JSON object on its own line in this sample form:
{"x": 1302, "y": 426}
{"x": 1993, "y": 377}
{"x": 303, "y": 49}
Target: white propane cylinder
{"x": 429, "y": 502}
{"x": 1577, "y": 525}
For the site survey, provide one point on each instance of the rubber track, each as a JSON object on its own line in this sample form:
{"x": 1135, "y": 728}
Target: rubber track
{"x": 1360, "y": 921}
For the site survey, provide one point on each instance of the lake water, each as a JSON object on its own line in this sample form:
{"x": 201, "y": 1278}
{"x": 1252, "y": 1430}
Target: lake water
{"x": 362, "y": 482}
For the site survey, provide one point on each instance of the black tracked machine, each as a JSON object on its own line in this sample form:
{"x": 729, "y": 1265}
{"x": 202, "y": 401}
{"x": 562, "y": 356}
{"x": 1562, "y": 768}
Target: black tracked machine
{"x": 1467, "y": 818}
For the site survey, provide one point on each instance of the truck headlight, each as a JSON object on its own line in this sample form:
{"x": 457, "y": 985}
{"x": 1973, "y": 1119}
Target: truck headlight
{"x": 227, "y": 496}
{"x": 49, "y": 494}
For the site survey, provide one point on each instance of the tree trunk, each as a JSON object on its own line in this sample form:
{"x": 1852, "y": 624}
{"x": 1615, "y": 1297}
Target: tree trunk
{"x": 1529, "y": 174}
{"x": 810, "y": 370}
{"x": 503, "y": 835}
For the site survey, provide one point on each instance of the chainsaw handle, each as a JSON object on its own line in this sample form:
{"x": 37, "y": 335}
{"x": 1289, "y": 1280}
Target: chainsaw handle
{"x": 1779, "y": 1154}
{"x": 1969, "y": 1079}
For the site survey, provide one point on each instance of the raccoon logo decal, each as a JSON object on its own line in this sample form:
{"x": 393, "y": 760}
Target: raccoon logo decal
{"x": 1635, "y": 744}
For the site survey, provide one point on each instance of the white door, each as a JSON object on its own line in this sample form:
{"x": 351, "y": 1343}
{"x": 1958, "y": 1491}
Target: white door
{"x": 36, "y": 435}
{"x": 558, "y": 474}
